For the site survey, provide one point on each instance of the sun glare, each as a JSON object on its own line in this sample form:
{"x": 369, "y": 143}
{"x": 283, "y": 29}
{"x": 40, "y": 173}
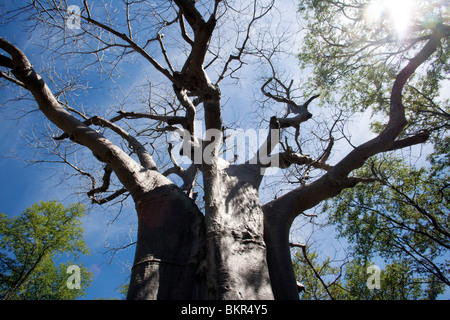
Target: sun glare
{"x": 397, "y": 13}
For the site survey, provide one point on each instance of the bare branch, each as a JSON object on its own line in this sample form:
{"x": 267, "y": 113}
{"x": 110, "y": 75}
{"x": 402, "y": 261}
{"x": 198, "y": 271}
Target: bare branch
{"x": 86, "y": 7}
{"x": 418, "y": 138}
{"x": 11, "y": 79}
{"x": 6, "y": 62}
{"x": 189, "y": 107}
{"x": 106, "y": 182}
{"x": 262, "y": 156}
{"x": 308, "y": 261}
{"x": 176, "y": 169}
{"x": 130, "y": 34}
{"x": 297, "y": 245}
{"x": 183, "y": 31}
{"x": 188, "y": 175}
{"x": 192, "y": 15}
{"x": 144, "y": 157}
{"x": 132, "y": 44}
{"x": 240, "y": 50}
{"x": 301, "y": 111}
{"x": 163, "y": 49}
{"x": 109, "y": 198}
{"x": 170, "y": 120}
{"x": 289, "y": 157}
{"x": 104, "y": 187}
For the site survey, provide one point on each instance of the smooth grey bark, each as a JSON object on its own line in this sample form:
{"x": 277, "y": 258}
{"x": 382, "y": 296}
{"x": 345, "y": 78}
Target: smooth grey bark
{"x": 235, "y": 246}
{"x": 182, "y": 254}
{"x": 276, "y": 235}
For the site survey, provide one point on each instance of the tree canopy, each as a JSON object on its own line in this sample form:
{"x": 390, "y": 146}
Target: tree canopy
{"x": 30, "y": 245}
{"x": 355, "y": 50}
{"x": 361, "y": 280}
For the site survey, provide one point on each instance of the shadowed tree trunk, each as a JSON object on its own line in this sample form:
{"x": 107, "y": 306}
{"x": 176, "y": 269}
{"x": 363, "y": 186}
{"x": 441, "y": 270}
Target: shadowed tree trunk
{"x": 169, "y": 256}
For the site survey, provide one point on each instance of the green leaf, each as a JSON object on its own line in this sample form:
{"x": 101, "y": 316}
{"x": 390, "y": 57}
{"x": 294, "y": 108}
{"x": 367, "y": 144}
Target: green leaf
{"x": 29, "y": 246}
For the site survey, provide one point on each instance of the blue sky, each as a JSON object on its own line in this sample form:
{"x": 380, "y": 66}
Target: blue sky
{"x": 23, "y": 184}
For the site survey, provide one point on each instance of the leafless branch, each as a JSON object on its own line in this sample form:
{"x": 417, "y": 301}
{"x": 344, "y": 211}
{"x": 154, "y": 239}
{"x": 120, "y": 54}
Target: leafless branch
{"x": 140, "y": 150}
{"x": 418, "y": 138}
{"x": 132, "y": 45}
{"x": 301, "y": 111}
{"x": 183, "y": 31}
{"x": 289, "y": 157}
{"x": 170, "y": 120}
{"x": 187, "y": 175}
{"x": 316, "y": 273}
{"x": 13, "y": 80}
{"x": 240, "y": 50}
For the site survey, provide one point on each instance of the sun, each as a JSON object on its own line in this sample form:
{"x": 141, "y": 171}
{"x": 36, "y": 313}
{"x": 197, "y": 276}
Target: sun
{"x": 396, "y": 12}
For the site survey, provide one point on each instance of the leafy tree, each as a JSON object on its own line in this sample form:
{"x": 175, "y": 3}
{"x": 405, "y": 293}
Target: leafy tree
{"x": 319, "y": 280}
{"x": 397, "y": 282}
{"x": 203, "y": 229}
{"x": 329, "y": 280}
{"x": 355, "y": 50}
{"x": 403, "y": 216}
{"x": 30, "y": 245}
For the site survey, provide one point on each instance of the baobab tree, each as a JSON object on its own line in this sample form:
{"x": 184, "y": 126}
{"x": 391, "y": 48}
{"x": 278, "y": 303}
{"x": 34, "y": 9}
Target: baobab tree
{"x": 231, "y": 246}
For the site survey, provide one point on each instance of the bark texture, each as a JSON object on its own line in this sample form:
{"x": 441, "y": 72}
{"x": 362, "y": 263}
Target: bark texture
{"x": 169, "y": 256}
{"x": 236, "y": 251}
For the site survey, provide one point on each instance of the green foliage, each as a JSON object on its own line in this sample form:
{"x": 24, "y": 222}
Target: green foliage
{"x": 325, "y": 280}
{"x": 123, "y": 290}
{"x": 310, "y": 272}
{"x": 396, "y": 282}
{"x": 355, "y": 54}
{"x": 355, "y": 58}
{"x": 31, "y": 243}
{"x": 404, "y": 216}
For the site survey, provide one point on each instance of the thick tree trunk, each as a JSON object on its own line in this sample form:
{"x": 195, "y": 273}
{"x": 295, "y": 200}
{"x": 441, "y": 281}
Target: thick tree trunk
{"x": 170, "y": 247}
{"x": 282, "y": 276}
{"x": 181, "y": 254}
{"x": 236, "y": 251}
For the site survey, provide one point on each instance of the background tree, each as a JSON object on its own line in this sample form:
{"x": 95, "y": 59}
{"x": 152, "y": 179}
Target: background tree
{"x": 397, "y": 282}
{"x": 30, "y": 245}
{"x": 236, "y": 247}
{"x": 318, "y": 280}
{"x": 403, "y": 216}
{"x": 355, "y": 279}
